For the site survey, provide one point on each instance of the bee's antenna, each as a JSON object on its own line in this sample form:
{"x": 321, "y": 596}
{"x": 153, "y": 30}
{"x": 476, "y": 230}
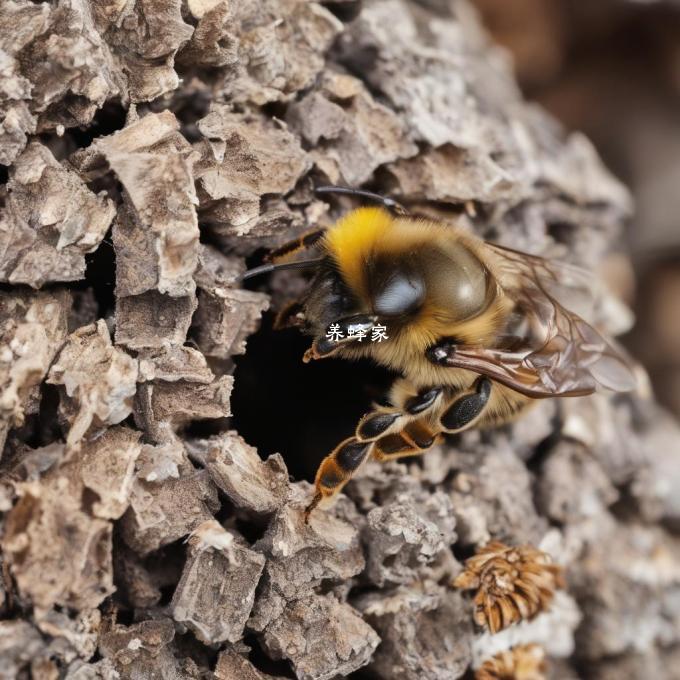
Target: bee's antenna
{"x": 266, "y": 268}
{"x": 389, "y": 203}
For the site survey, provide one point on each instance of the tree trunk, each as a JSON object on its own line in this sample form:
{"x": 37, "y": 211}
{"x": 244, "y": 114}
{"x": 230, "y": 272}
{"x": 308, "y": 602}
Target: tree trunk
{"x": 152, "y": 526}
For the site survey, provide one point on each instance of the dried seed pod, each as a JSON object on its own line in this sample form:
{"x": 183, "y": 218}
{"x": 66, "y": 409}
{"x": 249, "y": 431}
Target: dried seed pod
{"x": 524, "y": 662}
{"x": 512, "y": 584}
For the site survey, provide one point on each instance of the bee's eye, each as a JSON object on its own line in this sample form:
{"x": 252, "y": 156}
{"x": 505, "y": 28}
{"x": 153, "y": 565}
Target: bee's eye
{"x": 401, "y": 291}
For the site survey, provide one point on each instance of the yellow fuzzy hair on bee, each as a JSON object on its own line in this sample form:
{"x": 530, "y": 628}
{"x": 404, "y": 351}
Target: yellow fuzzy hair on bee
{"x": 353, "y": 238}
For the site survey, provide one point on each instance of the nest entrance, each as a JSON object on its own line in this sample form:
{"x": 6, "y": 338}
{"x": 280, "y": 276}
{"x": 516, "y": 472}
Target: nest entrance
{"x": 300, "y": 410}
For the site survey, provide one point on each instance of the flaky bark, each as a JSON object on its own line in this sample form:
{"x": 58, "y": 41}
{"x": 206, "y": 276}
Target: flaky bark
{"x": 152, "y": 146}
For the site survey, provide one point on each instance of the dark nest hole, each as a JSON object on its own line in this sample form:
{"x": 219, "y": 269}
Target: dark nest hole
{"x": 345, "y": 10}
{"x": 301, "y": 411}
{"x": 109, "y": 119}
{"x": 100, "y": 276}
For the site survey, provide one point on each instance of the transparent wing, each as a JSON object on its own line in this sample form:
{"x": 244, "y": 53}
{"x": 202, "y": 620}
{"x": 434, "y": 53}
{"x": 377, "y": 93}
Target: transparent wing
{"x": 547, "y": 350}
{"x": 573, "y": 287}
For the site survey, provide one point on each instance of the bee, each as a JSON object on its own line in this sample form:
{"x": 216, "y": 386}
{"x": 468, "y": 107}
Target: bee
{"x": 475, "y": 329}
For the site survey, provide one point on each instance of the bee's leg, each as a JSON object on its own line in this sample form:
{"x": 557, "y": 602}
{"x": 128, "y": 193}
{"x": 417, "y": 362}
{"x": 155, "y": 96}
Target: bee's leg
{"x": 337, "y": 469}
{"x": 406, "y": 402}
{"x": 347, "y": 329}
{"x": 416, "y": 438}
{"x": 290, "y": 316}
{"x": 380, "y": 421}
{"x": 460, "y": 411}
{"x": 466, "y": 408}
{"x": 309, "y": 238}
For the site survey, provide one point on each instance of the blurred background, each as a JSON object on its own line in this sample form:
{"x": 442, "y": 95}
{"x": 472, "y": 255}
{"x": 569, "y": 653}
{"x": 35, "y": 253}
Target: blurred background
{"x": 611, "y": 68}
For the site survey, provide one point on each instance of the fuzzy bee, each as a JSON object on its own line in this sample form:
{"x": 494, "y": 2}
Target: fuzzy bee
{"x": 475, "y": 329}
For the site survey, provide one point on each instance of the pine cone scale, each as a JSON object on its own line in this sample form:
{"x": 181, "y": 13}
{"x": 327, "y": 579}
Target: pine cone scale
{"x": 512, "y": 584}
{"x": 525, "y": 662}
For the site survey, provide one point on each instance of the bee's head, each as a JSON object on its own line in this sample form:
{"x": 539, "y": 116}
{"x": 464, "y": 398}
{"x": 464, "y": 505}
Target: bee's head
{"x": 395, "y": 271}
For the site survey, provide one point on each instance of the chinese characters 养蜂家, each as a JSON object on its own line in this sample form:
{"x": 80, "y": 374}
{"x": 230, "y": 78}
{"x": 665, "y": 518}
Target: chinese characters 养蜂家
{"x": 378, "y": 333}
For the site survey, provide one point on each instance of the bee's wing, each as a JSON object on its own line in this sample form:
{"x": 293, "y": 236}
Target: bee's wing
{"x": 551, "y": 351}
{"x": 569, "y": 285}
